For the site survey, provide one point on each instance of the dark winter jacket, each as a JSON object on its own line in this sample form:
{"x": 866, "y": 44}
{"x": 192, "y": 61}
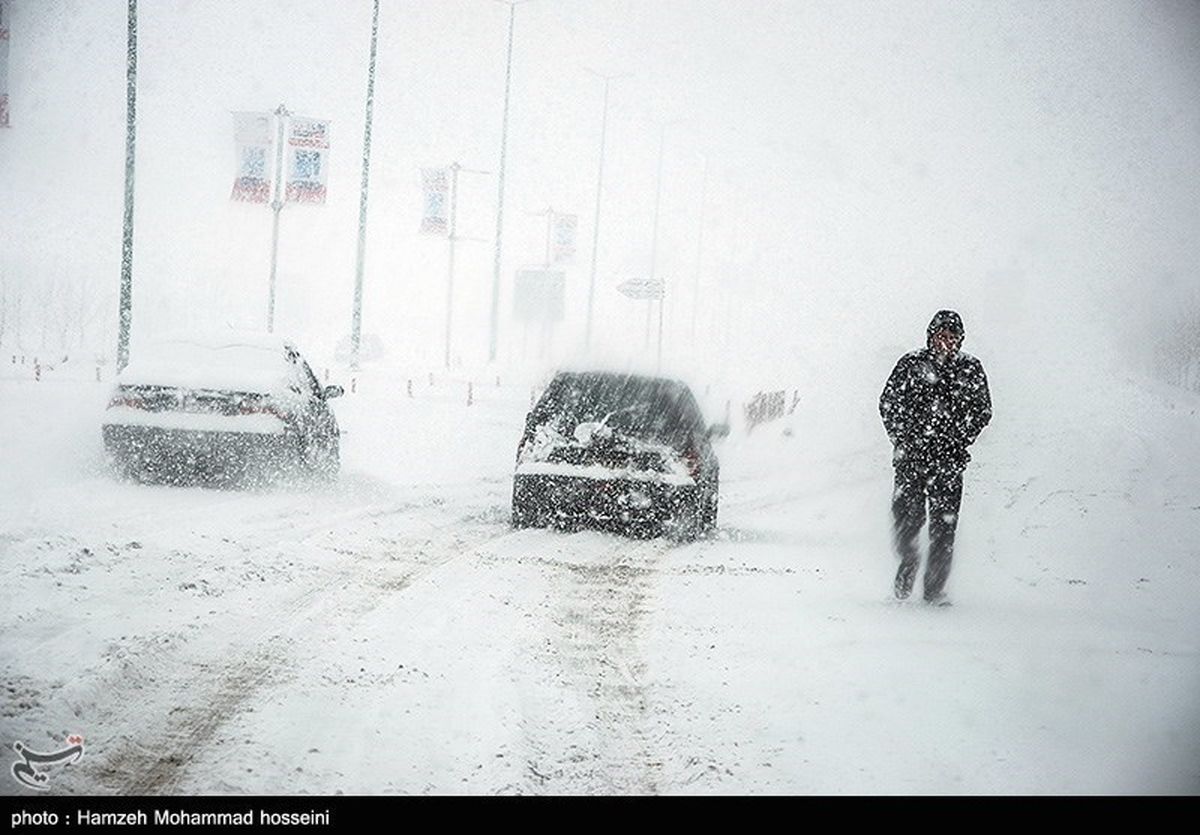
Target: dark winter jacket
{"x": 933, "y": 412}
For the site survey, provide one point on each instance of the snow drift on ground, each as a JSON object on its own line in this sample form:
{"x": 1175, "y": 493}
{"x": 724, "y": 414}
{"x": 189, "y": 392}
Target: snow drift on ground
{"x": 391, "y": 633}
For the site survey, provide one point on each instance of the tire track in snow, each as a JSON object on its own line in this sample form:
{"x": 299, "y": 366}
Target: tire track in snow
{"x": 602, "y": 744}
{"x": 183, "y": 699}
{"x": 157, "y": 765}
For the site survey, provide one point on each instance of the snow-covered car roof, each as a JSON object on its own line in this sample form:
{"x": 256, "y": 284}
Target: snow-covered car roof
{"x": 229, "y": 361}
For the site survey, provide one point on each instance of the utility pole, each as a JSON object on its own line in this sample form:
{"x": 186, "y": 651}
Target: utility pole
{"x": 587, "y": 339}
{"x": 356, "y": 323}
{"x": 281, "y": 113}
{"x": 126, "y": 312}
{"x": 493, "y": 331}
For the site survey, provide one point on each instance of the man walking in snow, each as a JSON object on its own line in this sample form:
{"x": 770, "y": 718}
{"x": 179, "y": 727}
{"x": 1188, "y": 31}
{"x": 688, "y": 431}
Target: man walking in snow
{"x": 934, "y": 405}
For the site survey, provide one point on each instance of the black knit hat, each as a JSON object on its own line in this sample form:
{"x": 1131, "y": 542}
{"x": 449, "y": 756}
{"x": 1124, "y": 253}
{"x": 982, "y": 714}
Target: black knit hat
{"x": 945, "y": 320}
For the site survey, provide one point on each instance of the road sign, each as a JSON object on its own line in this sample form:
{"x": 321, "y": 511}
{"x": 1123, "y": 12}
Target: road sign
{"x": 538, "y": 295}
{"x": 643, "y": 288}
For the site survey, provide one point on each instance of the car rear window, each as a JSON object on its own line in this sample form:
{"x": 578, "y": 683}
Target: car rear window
{"x": 221, "y": 365}
{"x": 641, "y": 407}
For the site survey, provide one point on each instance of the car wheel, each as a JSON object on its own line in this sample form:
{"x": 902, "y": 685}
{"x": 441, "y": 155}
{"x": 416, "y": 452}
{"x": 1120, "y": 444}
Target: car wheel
{"x": 128, "y": 470}
{"x": 326, "y": 460}
{"x": 521, "y": 517}
{"x": 686, "y": 520}
{"x": 709, "y": 511}
{"x": 526, "y": 517}
{"x": 528, "y": 509}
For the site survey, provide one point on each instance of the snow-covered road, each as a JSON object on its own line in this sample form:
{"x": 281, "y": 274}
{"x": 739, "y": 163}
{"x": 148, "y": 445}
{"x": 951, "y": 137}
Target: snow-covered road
{"x": 391, "y": 633}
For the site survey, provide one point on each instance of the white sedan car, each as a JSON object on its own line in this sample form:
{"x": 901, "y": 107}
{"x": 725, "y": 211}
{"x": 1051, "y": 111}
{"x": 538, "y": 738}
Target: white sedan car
{"x": 221, "y": 406}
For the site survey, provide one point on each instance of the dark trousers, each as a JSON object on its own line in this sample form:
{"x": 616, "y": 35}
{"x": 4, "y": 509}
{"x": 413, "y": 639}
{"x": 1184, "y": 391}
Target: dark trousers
{"x": 916, "y": 485}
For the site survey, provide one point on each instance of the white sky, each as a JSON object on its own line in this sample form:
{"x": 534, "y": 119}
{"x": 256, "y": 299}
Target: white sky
{"x": 869, "y": 163}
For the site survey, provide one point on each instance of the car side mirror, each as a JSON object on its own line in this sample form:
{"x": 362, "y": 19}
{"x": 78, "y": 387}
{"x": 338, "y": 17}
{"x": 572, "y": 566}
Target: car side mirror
{"x": 718, "y": 430}
{"x": 333, "y": 391}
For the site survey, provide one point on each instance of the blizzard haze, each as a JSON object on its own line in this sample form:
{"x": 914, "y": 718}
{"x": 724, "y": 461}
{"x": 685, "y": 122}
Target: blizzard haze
{"x": 832, "y": 173}
{"x": 1033, "y": 165}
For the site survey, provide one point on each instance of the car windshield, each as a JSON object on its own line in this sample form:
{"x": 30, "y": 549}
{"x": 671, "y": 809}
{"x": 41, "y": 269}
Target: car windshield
{"x": 640, "y": 407}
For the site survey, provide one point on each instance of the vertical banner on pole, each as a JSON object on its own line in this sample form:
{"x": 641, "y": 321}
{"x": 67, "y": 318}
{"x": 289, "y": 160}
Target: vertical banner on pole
{"x": 4, "y": 64}
{"x": 435, "y": 185}
{"x": 252, "y": 136}
{"x": 565, "y": 228}
{"x": 308, "y": 152}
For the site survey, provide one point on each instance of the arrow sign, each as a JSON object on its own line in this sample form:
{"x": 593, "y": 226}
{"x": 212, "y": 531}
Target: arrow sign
{"x": 642, "y": 288}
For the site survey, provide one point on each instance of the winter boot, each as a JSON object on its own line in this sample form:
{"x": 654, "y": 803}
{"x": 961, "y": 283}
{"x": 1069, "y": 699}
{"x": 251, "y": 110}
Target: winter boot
{"x": 904, "y": 580}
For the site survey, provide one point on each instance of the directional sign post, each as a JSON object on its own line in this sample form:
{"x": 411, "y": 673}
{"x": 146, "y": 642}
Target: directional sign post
{"x": 650, "y": 290}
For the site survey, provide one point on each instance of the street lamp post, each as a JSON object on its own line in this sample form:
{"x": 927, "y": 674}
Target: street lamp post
{"x": 662, "y": 138}
{"x": 356, "y": 320}
{"x": 587, "y": 340}
{"x": 455, "y": 168}
{"x": 547, "y": 326}
{"x": 126, "y": 304}
{"x": 662, "y": 141}
{"x": 281, "y": 113}
{"x": 699, "y": 251}
{"x": 549, "y": 213}
{"x": 494, "y": 327}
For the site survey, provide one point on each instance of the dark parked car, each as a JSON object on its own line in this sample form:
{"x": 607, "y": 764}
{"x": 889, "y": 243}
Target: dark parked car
{"x": 221, "y": 406}
{"x": 617, "y": 451}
